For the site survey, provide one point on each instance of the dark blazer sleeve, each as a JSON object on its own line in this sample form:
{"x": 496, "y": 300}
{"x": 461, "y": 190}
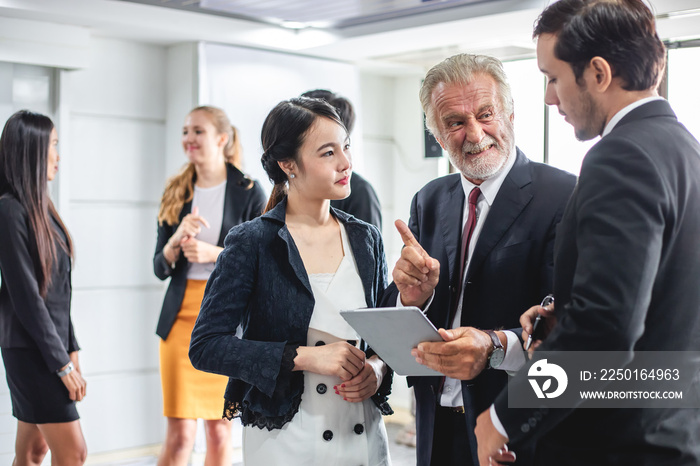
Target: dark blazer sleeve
{"x": 618, "y": 219}
{"x": 161, "y": 268}
{"x": 19, "y": 279}
{"x": 214, "y": 346}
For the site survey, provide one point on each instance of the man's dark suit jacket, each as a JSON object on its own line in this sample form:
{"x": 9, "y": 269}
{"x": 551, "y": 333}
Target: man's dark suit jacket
{"x": 242, "y": 203}
{"x": 26, "y": 319}
{"x": 362, "y": 202}
{"x": 510, "y": 270}
{"x": 627, "y": 278}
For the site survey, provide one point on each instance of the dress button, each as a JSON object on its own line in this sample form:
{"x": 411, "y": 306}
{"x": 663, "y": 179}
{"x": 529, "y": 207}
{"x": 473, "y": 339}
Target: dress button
{"x": 321, "y": 388}
{"x": 328, "y": 436}
{"x": 359, "y": 429}
{"x": 525, "y": 428}
{"x": 320, "y": 343}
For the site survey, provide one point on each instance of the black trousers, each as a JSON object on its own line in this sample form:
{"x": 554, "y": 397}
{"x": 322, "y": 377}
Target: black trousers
{"x": 450, "y": 440}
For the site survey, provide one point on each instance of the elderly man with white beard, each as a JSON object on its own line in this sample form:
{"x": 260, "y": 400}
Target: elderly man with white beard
{"x": 478, "y": 253}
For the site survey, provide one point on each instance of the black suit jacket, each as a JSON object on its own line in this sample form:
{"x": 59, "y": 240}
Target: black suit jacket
{"x": 240, "y": 205}
{"x": 510, "y": 269}
{"x": 627, "y": 278}
{"x": 26, "y": 319}
{"x": 362, "y": 202}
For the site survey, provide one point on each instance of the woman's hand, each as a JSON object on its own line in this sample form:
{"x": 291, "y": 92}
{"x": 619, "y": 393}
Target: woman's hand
{"x": 74, "y": 381}
{"x": 190, "y": 227}
{"x": 339, "y": 359}
{"x": 365, "y": 384}
{"x": 200, "y": 252}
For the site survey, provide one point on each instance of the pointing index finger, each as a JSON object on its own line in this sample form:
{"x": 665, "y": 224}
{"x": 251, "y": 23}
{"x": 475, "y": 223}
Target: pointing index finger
{"x": 406, "y": 234}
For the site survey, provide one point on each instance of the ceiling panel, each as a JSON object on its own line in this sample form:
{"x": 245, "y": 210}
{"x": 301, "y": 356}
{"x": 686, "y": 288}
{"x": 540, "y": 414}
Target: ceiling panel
{"x": 335, "y": 14}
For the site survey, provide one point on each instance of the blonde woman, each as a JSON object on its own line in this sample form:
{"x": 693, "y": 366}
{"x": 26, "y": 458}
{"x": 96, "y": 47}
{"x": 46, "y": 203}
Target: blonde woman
{"x": 199, "y": 206}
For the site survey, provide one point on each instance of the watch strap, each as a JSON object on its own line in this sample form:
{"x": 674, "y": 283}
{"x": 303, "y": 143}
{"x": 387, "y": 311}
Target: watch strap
{"x": 69, "y": 368}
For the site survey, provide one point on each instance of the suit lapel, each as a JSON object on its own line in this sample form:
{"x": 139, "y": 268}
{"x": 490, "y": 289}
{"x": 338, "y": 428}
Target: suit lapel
{"x": 513, "y": 196}
{"x": 451, "y": 222}
{"x": 295, "y": 258}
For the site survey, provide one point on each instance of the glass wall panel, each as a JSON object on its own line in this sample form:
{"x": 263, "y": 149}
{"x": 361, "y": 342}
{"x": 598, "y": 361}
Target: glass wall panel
{"x": 527, "y": 85}
{"x": 683, "y": 89}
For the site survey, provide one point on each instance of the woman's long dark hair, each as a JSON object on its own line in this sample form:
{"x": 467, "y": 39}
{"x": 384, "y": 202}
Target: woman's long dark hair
{"x": 283, "y": 134}
{"x": 24, "y": 151}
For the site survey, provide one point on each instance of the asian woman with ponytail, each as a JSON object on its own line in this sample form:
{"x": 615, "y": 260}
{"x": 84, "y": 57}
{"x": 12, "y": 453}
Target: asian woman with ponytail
{"x": 306, "y": 389}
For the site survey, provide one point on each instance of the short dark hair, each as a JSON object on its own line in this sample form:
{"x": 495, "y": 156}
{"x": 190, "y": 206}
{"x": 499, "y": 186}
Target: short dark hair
{"x": 341, "y": 105}
{"x": 623, "y": 32}
{"x": 283, "y": 134}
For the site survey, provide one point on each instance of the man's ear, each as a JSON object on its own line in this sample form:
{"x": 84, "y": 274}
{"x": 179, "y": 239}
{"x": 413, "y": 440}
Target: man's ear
{"x": 439, "y": 140}
{"x": 601, "y": 73}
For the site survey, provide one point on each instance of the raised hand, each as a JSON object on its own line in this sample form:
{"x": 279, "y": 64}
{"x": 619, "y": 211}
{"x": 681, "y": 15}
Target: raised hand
{"x": 190, "y": 227}
{"x": 415, "y": 274}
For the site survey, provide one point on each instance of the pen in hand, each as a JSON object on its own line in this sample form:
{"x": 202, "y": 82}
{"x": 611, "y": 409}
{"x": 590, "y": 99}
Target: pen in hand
{"x": 549, "y": 299}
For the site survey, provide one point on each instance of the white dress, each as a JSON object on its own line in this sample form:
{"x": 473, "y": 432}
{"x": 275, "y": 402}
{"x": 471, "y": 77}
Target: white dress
{"x": 326, "y": 430}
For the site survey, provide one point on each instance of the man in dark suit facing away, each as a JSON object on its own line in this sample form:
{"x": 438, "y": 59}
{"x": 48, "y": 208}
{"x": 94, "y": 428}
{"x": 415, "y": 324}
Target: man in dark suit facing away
{"x": 627, "y": 253}
{"x": 508, "y": 207}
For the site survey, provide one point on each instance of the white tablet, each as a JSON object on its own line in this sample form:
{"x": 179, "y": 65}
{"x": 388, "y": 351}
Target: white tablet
{"x": 393, "y": 332}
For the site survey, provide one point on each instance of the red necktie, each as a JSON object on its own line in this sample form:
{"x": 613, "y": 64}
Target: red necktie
{"x": 464, "y": 254}
{"x": 466, "y": 239}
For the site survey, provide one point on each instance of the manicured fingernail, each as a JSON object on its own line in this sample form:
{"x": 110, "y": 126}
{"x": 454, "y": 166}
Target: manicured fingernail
{"x": 345, "y": 399}
{"x": 342, "y": 386}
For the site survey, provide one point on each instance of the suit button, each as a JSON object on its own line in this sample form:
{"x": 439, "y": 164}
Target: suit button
{"x": 328, "y": 436}
{"x": 321, "y": 388}
{"x": 359, "y": 429}
{"x": 320, "y": 343}
{"x": 525, "y": 428}
{"x": 453, "y": 289}
{"x": 532, "y": 421}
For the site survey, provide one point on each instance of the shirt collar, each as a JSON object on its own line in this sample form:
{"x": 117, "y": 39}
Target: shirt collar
{"x": 622, "y": 113}
{"x": 489, "y": 188}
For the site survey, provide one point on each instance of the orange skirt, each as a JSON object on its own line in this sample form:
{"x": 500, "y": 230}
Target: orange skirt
{"x": 187, "y": 392}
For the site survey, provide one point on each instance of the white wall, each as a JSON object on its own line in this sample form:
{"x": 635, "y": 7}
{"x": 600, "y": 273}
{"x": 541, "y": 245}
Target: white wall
{"x": 112, "y": 118}
{"x": 248, "y": 83}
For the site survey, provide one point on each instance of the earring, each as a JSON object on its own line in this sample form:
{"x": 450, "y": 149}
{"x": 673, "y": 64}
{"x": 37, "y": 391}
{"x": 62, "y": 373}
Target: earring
{"x": 292, "y": 175}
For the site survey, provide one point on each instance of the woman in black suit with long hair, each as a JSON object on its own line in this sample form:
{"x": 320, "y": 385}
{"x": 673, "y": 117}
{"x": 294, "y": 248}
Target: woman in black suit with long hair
{"x": 39, "y": 348}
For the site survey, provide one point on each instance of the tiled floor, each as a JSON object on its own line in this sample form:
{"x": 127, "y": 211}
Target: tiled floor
{"x": 401, "y": 455}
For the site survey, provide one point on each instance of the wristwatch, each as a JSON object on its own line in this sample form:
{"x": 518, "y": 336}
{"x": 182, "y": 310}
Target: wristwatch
{"x": 498, "y": 353}
{"x": 69, "y": 368}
